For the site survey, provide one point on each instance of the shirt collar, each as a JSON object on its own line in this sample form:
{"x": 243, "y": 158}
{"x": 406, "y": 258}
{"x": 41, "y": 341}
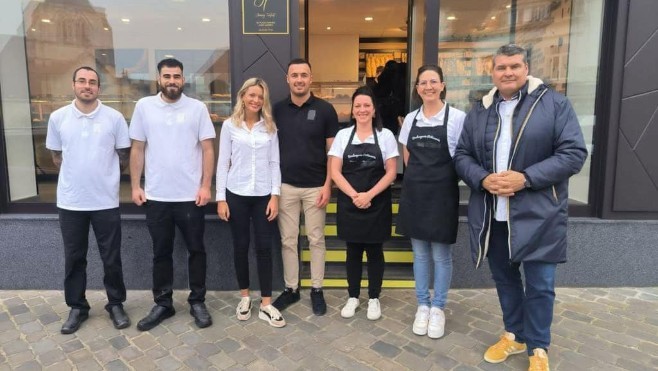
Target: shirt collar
{"x": 310, "y": 100}
{"x": 80, "y": 114}
{"x": 438, "y": 117}
{"x": 161, "y": 102}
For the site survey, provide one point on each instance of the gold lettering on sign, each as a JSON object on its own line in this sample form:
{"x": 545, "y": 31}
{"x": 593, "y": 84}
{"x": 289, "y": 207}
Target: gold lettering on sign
{"x": 260, "y": 4}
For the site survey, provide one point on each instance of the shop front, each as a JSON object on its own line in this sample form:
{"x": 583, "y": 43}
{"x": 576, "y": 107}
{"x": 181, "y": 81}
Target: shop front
{"x": 598, "y": 53}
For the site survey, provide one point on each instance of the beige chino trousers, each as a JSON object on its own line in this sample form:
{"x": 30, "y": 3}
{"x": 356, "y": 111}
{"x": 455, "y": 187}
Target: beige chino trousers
{"x": 291, "y": 202}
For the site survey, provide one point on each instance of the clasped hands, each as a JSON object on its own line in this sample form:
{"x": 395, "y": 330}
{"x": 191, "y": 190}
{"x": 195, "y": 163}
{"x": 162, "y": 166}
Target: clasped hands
{"x": 362, "y": 200}
{"x": 505, "y": 183}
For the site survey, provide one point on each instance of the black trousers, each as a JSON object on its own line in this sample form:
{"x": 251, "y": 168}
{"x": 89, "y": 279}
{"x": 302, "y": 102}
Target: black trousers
{"x": 75, "y": 233}
{"x": 162, "y": 218}
{"x": 354, "y": 267}
{"x": 245, "y": 210}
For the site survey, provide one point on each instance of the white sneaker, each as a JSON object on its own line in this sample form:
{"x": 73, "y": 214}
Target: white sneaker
{"x": 437, "y": 323}
{"x": 374, "y": 310}
{"x": 349, "y": 308}
{"x": 243, "y": 310}
{"x": 272, "y": 316}
{"x": 422, "y": 318}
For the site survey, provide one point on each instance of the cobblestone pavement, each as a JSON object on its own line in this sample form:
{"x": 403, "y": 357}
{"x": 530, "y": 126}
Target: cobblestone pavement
{"x": 594, "y": 328}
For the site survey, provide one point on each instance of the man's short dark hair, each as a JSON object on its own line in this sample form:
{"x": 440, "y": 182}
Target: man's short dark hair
{"x": 510, "y": 50}
{"x": 88, "y": 69}
{"x": 298, "y": 61}
{"x": 170, "y": 62}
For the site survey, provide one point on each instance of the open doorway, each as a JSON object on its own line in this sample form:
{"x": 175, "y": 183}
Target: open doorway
{"x": 354, "y": 43}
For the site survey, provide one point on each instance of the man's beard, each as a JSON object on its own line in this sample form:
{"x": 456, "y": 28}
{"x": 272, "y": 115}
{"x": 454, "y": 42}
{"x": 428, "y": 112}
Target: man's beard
{"x": 170, "y": 93}
{"x": 84, "y": 100}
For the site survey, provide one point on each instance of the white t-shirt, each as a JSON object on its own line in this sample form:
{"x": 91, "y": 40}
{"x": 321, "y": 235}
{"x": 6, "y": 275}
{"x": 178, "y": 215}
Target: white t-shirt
{"x": 454, "y": 129}
{"x": 248, "y": 162}
{"x": 173, "y": 133}
{"x": 89, "y": 175}
{"x": 386, "y": 140}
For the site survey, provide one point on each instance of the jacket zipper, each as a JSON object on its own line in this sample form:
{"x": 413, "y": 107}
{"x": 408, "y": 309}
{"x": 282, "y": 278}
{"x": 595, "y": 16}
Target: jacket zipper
{"x": 555, "y": 194}
{"x": 509, "y": 164}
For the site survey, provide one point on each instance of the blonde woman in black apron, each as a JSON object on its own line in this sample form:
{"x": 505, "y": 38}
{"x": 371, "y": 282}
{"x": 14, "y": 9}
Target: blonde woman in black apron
{"x": 363, "y": 165}
{"x": 430, "y": 197}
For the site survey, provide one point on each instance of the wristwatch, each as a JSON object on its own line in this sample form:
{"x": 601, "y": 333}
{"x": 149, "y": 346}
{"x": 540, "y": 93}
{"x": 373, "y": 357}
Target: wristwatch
{"x": 526, "y": 183}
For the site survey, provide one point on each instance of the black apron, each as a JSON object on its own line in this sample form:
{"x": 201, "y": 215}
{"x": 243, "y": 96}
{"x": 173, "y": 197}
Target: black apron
{"x": 363, "y": 167}
{"x": 429, "y": 203}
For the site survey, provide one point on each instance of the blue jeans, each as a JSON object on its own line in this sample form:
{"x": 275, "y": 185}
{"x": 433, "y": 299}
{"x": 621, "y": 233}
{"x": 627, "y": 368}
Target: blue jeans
{"x": 527, "y": 309}
{"x": 426, "y": 252}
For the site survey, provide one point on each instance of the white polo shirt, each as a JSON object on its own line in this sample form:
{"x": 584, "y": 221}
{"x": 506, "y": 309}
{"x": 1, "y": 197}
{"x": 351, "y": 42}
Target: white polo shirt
{"x": 173, "y": 133}
{"x": 89, "y": 175}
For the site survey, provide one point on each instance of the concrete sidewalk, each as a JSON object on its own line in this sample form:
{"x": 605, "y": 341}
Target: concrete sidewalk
{"x": 594, "y": 328}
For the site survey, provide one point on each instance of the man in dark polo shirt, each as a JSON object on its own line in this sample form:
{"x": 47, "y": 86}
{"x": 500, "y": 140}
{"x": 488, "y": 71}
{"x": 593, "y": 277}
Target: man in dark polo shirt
{"x": 307, "y": 126}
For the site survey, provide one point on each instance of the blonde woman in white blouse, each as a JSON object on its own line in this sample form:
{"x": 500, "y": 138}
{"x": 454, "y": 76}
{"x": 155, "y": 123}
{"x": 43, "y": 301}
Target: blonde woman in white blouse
{"x": 248, "y": 189}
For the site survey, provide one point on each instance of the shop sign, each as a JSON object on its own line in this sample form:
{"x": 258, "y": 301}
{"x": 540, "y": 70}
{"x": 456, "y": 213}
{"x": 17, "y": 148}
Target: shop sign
{"x": 265, "y": 17}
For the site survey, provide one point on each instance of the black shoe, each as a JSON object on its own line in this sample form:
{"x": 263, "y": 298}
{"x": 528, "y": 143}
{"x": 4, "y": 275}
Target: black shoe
{"x": 201, "y": 316}
{"x": 317, "y": 302}
{"x": 157, "y": 315}
{"x": 76, "y": 317}
{"x": 287, "y": 298}
{"x": 119, "y": 317}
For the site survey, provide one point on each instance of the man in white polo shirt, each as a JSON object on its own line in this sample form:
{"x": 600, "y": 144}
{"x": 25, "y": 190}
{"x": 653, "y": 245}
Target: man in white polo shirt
{"x": 90, "y": 146}
{"x": 172, "y": 137}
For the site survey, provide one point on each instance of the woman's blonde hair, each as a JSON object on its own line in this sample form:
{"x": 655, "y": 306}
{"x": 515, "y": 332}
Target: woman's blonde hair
{"x": 266, "y": 111}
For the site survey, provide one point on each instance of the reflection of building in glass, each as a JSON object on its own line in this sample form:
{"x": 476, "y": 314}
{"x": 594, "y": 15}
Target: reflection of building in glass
{"x": 61, "y": 35}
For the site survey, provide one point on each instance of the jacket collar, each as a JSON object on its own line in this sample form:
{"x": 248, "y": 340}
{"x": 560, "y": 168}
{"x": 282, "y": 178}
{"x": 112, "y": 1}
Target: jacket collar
{"x": 531, "y": 85}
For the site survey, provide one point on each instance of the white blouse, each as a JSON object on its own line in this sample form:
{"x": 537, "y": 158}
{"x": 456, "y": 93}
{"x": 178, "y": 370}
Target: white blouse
{"x": 248, "y": 162}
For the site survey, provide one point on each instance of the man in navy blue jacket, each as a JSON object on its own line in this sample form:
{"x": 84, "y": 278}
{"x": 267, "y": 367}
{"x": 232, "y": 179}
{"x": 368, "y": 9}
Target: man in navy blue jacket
{"x": 518, "y": 148}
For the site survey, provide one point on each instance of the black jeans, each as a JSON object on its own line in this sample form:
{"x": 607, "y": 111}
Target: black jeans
{"x": 354, "y": 267}
{"x": 162, "y": 218}
{"x": 243, "y": 210}
{"x": 75, "y": 233}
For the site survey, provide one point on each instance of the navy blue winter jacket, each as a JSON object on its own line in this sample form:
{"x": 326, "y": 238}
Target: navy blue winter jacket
{"x": 548, "y": 146}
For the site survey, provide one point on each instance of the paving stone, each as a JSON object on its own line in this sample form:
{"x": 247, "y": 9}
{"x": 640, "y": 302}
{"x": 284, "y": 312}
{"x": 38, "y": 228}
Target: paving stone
{"x": 385, "y": 349}
{"x": 51, "y": 357}
{"x": 29, "y": 366}
{"x": 21, "y": 357}
{"x": 228, "y": 345}
{"x": 80, "y": 356}
{"x": 43, "y": 346}
{"x": 119, "y": 342}
{"x": 222, "y": 360}
{"x": 243, "y": 356}
{"x": 206, "y": 349}
{"x": 18, "y": 309}
{"x": 168, "y": 363}
{"x": 116, "y": 365}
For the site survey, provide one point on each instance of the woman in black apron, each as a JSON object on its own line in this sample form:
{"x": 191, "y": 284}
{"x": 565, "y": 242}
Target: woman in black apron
{"x": 363, "y": 165}
{"x": 430, "y": 197}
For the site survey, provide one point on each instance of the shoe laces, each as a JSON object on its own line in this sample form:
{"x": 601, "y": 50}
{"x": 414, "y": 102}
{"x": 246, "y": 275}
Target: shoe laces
{"x": 539, "y": 361}
{"x": 504, "y": 344}
{"x": 245, "y": 304}
{"x": 352, "y": 303}
{"x": 436, "y": 315}
{"x": 423, "y": 313}
{"x": 273, "y": 312}
{"x": 373, "y": 303}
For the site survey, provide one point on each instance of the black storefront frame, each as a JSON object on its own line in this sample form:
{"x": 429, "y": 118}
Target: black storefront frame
{"x": 602, "y": 166}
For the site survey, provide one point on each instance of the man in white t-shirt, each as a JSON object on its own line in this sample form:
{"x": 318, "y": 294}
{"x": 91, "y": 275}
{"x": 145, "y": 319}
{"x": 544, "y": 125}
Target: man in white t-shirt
{"x": 172, "y": 139}
{"x": 90, "y": 146}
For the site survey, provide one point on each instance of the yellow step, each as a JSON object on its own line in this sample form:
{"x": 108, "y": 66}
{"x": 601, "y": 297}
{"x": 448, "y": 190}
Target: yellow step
{"x": 340, "y": 283}
{"x": 337, "y": 256}
{"x": 332, "y": 231}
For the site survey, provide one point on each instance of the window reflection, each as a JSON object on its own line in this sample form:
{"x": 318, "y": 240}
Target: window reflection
{"x": 123, "y": 40}
{"x": 562, "y": 38}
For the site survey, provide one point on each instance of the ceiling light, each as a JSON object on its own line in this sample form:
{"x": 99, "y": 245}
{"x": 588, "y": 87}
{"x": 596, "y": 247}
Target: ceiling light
{"x": 328, "y": 28}
{"x": 368, "y": 19}
{"x": 169, "y": 56}
{"x": 508, "y": 6}
{"x": 205, "y": 19}
{"x": 106, "y": 29}
{"x": 302, "y": 28}
{"x": 493, "y": 17}
{"x": 125, "y": 20}
{"x": 34, "y": 29}
{"x": 45, "y": 20}
{"x": 180, "y": 28}
{"x": 103, "y": 54}
{"x": 451, "y": 18}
